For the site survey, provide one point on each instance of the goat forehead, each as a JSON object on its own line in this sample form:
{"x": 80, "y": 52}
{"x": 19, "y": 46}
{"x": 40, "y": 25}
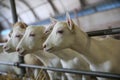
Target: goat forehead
{"x": 18, "y": 32}
{"x": 17, "y": 29}
{"x": 60, "y": 26}
{"x": 29, "y": 31}
{"x": 35, "y": 28}
{"x": 35, "y": 31}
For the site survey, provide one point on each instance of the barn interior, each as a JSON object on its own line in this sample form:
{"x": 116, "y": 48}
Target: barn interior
{"x": 95, "y": 17}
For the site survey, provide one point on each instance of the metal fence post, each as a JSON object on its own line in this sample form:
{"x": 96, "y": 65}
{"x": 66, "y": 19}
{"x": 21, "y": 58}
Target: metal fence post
{"x": 21, "y": 60}
{"x": 13, "y": 10}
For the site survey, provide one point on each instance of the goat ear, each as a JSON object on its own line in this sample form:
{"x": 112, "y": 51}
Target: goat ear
{"x": 23, "y": 25}
{"x": 69, "y": 21}
{"x": 51, "y": 25}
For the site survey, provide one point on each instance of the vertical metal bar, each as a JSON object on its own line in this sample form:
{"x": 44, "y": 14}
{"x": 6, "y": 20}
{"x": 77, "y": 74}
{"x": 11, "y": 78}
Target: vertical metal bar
{"x": 13, "y": 9}
{"x": 15, "y": 19}
{"x": 21, "y": 60}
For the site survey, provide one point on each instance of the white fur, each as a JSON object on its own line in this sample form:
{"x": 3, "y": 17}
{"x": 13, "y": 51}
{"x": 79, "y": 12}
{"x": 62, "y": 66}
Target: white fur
{"x": 101, "y": 54}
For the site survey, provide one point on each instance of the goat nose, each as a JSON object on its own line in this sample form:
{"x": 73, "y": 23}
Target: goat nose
{"x": 4, "y": 47}
{"x": 18, "y": 49}
{"x": 44, "y": 46}
{"x": 5, "y": 40}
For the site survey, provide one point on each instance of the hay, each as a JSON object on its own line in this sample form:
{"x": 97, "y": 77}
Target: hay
{"x": 42, "y": 75}
{"x": 8, "y": 77}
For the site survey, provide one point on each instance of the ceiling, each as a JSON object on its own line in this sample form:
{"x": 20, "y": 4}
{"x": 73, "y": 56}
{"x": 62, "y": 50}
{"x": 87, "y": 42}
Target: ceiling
{"x": 31, "y": 11}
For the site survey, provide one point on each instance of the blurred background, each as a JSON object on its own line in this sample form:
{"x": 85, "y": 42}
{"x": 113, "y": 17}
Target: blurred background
{"x": 89, "y": 15}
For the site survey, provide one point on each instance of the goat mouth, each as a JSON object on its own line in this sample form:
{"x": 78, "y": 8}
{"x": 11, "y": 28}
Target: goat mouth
{"x": 8, "y": 50}
{"x": 50, "y": 49}
{"x": 22, "y": 53}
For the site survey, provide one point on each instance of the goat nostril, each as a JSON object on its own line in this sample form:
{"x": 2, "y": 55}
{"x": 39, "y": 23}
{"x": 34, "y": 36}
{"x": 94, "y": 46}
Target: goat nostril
{"x": 4, "y": 47}
{"x": 44, "y": 46}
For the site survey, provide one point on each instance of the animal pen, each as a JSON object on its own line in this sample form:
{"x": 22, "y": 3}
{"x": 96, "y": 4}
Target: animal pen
{"x": 85, "y": 11}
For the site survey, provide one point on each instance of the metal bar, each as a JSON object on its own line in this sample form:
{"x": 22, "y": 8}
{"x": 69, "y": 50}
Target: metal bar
{"x": 82, "y": 72}
{"x": 1, "y": 44}
{"x": 104, "y": 32}
{"x": 13, "y": 9}
{"x": 3, "y": 73}
{"x": 21, "y": 60}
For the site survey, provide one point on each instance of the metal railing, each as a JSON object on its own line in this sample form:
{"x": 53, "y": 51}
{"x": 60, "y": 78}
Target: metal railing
{"x": 81, "y": 72}
{"x": 104, "y": 32}
{"x": 1, "y": 44}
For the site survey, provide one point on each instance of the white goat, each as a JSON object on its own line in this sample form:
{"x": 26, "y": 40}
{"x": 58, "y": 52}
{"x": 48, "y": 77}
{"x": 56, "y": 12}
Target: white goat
{"x": 71, "y": 55}
{"x": 15, "y": 35}
{"x": 102, "y": 55}
{"x": 26, "y": 44}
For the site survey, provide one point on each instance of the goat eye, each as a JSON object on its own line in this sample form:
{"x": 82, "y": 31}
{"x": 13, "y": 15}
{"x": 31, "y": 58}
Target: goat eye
{"x": 46, "y": 31}
{"x": 61, "y": 31}
{"x": 17, "y": 35}
{"x": 32, "y": 35}
{"x": 9, "y": 35}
